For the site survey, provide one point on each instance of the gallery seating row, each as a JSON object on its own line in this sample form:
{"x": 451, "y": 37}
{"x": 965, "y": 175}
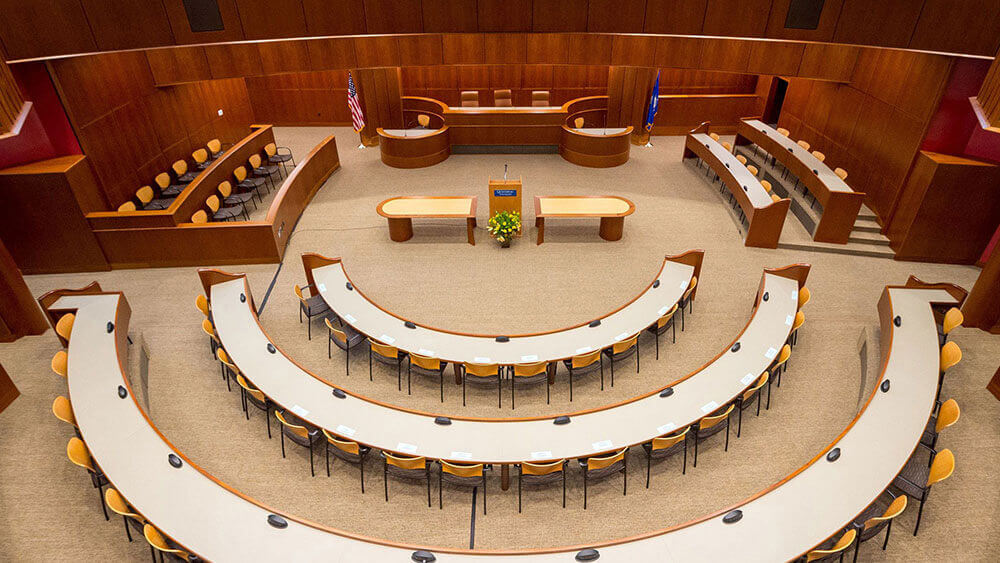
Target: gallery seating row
{"x": 764, "y": 213}
{"x": 833, "y": 489}
{"x": 504, "y": 98}
{"x": 168, "y": 185}
{"x": 838, "y": 204}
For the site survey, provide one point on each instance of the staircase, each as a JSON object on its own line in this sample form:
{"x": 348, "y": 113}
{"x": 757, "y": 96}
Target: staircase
{"x": 866, "y": 238}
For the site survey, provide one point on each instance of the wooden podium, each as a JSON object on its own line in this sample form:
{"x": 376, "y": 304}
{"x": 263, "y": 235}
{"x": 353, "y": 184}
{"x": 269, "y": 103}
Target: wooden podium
{"x": 505, "y": 195}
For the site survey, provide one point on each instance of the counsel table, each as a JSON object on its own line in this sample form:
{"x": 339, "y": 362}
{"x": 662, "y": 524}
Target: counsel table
{"x": 779, "y": 523}
{"x": 400, "y": 211}
{"x": 840, "y": 203}
{"x": 611, "y": 209}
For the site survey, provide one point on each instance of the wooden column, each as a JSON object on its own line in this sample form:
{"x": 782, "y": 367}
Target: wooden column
{"x": 982, "y": 307}
{"x": 11, "y": 101}
{"x": 989, "y": 95}
{"x": 19, "y": 314}
{"x": 629, "y": 88}
{"x": 381, "y": 99}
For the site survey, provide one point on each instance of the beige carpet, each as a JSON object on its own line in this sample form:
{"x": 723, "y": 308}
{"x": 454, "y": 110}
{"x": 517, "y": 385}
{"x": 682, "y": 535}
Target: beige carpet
{"x": 51, "y": 512}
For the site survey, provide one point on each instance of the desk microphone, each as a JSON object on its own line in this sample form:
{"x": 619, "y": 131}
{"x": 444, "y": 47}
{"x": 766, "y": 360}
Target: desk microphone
{"x": 505, "y": 171}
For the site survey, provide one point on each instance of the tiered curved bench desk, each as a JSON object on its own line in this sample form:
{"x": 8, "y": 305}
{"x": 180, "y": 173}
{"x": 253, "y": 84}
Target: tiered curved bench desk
{"x": 217, "y": 522}
{"x": 764, "y": 216}
{"x": 840, "y": 203}
{"x": 496, "y": 440}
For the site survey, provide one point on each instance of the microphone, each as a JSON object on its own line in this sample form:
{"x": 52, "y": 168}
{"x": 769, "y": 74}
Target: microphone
{"x": 505, "y": 171}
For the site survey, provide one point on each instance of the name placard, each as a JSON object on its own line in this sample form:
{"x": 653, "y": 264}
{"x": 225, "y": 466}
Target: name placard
{"x": 504, "y": 193}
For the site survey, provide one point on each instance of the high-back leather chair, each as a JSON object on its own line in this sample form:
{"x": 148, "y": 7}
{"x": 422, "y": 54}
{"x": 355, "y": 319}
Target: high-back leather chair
{"x": 502, "y": 98}
{"x": 470, "y": 99}
{"x": 539, "y": 98}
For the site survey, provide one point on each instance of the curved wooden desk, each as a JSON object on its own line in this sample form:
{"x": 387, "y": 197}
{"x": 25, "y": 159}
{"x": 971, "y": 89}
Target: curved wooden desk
{"x": 595, "y": 147}
{"x": 840, "y": 204}
{"x": 610, "y": 208}
{"x": 764, "y": 216}
{"x": 780, "y": 523}
{"x": 500, "y": 440}
{"x": 400, "y": 211}
{"x": 330, "y": 279}
{"x": 414, "y": 148}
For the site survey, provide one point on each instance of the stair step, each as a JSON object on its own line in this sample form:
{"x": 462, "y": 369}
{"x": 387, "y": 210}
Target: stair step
{"x": 862, "y": 237}
{"x": 851, "y": 249}
{"x": 866, "y": 228}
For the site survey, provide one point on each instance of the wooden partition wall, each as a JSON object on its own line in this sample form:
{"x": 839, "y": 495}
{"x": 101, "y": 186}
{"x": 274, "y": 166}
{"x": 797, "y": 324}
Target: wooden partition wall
{"x": 241, "y": 242}
{"x": 629, "y": 90}
{"x": 19, "y": 314}
{"x": 46, "y": 28}
{"x": 989, "y": 96}
{"x": 873, "y": 126}
{"x": 11, "y": 101}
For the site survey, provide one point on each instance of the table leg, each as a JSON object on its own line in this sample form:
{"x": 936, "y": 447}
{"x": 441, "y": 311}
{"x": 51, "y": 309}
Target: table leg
{"x": 612, "y": 227}
{"x": 540, "y": 223}
{"x": 400, "y": 228}
{"x": 505, "y": 476}
{"x": 470, "y": 224}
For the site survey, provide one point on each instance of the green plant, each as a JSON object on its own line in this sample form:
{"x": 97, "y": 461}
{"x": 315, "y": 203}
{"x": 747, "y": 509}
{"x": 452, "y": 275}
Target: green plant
{"x": 504, "y": 224}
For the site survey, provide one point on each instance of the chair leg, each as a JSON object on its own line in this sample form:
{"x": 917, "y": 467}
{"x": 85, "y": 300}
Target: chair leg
{"x": 726, "y": 449}
{"x": 684, "y": 466}
{"x": 511, "y": 390}
{"x": 739, "y": 425}
{"x": 441, "y": 383}
{"x": 649, "y": 462}
{"x": 347, "y": 360}
{"x": 385, "y": 480}
{"x": 696, "y": 448}
{"x": 657, "y": 343}
{"x": 585, "y": 488}
{"x": 463, "y": 387}
{"x": 409, "y": 390}
{"x": 920, "y": 512}
{"x": 888, "y": 530}
{"x": 571, "y": 385}
{"x": 612, "y": 373}
{"x": 370, "y": 378}
{"x": 519, "y": 490}
{"x": 428, "y": 471}
{"x": 128, "y": 533}
{"x": 399, "y": 374}
{"x": 312, "y": 469}
{"x": 104, "y": 508}
{"x": 282, "y": 443}
{"x": 500, "y": 390}
{"x": 327, "y": 450}
{"x": 625, "y": 475}
{"x": 440, "y": 493}
{"x": 362, "y": 464}
{"x": 484, "y": 493}
{"x": 673, "y": 328}
{"x": 564, "y": 486}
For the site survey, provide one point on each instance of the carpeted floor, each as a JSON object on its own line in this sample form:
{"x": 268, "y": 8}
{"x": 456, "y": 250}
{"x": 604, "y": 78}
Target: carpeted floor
{"x": 52, "y": 513}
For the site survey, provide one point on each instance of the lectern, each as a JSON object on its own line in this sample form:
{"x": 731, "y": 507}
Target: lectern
{"x": 505, "y": 195}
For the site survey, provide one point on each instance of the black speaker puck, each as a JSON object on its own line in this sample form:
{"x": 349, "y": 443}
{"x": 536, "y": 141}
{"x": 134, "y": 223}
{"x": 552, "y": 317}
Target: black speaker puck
{"x": 277, "y": 521}
{"x": 339, "y": 393}
{"x": 561, "y": 420}
{"x": 442, "y": 420}
{"x": 833, "y": 455}
{"x": 667, "y": 392}
{"x": 588, "y": 555}
{"x": 122, "y": 392}
{"x": 174, "y": 461}
{"x": 733, "y": 516}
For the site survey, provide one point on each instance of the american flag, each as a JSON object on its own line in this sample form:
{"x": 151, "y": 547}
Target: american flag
{"x": 352, "y": 102}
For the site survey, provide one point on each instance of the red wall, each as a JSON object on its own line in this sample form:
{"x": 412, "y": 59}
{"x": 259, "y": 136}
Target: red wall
{"x": 46, "y": 132}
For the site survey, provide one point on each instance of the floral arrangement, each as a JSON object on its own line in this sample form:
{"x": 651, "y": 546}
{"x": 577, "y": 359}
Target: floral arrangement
{"x": 504, "y": 225}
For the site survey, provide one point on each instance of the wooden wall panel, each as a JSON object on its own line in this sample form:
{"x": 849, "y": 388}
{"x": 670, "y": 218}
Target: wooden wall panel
{"x": 872, "y": 127}
{"x": 887, "y": 22}
{"x": 463, "y": 48}
{"x": 616, "y": 16}
{"x": 45, "y": 27}
{"x": 228, "y": 61}
{"x": 266, "y": 19}
{"x": 131, "y": 130}
{"x": 334, "y": 17}
{"x": 684, "y": 17}
{"x": 376, "y": 51}
{"x": 180, "y": 64}
{"x": 54, "y": 27}
{"x": 504, "y": 15}
{"x": 452, "y": 16}
{"x": 740, "y": 18}
{"x": 967, "y": 27}
{"x": 127, "y": 24}
{"x": 393, "y": 16}
{"x": 332, "y": 53}
{"x": 725, "y": 54}
{"x": 831, "y": 62}
{"x": 633, "y": 50}
{"x": 775, "y": 58}
{"x": 559, "y": 15}
{"x": 505, "y": 48}
{"x": 232, "y": 28}
{"x": 284, "y": 56}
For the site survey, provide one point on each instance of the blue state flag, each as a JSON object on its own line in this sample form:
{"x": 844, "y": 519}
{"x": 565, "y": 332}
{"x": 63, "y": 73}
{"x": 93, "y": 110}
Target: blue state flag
{"x": 654, "y": 102}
